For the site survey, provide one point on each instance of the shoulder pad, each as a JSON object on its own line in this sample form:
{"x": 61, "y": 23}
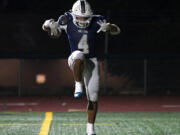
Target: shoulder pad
{"x": 63, "y": 20}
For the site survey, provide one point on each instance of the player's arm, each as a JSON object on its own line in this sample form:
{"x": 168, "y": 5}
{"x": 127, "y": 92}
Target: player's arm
{"x": 112, "y": 28}
{"x": 55, "y": 28}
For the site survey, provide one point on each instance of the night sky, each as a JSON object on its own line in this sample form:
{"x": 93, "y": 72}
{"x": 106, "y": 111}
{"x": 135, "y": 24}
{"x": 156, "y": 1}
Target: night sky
{"x": 148, "y": 27}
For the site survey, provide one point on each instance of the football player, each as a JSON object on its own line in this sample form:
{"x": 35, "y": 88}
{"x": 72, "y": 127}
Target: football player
{"x": 81, "y": 27}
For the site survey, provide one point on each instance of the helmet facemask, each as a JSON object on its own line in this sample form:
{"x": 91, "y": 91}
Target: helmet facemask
{"x": 82, "y": 22}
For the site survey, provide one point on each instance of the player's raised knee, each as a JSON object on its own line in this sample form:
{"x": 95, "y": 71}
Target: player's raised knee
{"x": 77, "y": 55}
{"x": 93, "y": 97}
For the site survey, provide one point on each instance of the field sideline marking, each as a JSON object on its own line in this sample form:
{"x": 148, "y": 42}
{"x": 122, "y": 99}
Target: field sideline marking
{"x": 83, "y": 124}
{"x": 63, "y": 124}
{"x": 46, "y": 124}
{"x": 22, "y": 104}
{"x": 76, "y": 110}
{"x": 4, "y": 125}
{"x": 171, "y": 106}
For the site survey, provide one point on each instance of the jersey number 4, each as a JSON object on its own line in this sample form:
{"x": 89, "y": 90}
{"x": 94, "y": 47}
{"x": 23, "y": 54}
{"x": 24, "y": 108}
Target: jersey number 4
{"x": 83, "y": 44}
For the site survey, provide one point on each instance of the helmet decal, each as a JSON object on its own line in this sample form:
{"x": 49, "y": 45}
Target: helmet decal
{"x": 83, "y": 10}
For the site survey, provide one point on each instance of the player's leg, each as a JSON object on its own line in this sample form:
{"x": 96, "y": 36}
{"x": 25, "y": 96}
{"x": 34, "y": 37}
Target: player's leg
{"x": 78, "y": 68}
{"x": 91, "y": 79}
{"x": 76, "y": 63}
{"x": 91, "y": 110}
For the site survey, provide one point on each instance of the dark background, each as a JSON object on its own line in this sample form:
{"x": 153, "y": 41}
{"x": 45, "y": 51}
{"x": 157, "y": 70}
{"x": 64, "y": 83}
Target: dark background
{"x": 149, "y": 28}
{"x": 143, "y": 59}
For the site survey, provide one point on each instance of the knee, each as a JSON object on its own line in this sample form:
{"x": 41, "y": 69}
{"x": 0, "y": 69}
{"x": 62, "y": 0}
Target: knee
{"x": 76, "y": 55}
{"x": 93, "y": 97}
{"x": 92, "y": 105}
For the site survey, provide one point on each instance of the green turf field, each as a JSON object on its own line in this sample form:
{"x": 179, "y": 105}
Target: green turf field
{"x": 106, "y": 124}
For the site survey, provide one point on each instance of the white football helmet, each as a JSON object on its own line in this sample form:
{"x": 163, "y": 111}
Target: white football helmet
{"x": 82, "y": 13}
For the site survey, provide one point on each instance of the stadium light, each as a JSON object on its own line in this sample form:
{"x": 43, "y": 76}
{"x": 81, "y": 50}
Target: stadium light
{"x": 40, "y": 78}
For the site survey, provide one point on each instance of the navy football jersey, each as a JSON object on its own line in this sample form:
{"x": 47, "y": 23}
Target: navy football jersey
{"x": 81, "y": 39}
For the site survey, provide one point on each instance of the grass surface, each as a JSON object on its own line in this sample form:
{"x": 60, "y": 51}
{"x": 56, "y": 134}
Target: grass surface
{"x": 106, "y": 123}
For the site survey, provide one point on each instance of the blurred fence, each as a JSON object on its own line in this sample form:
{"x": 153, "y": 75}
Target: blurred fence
{"x": 118, "y": 77}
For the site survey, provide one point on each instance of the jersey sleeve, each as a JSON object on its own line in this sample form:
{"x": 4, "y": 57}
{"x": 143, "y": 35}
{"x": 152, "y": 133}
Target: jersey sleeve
{"x": 63, "y": 20}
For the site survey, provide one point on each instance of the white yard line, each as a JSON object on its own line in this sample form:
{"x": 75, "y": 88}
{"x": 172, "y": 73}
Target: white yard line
{"x": 21, "y": 104}
{"x": 170, "y": 106}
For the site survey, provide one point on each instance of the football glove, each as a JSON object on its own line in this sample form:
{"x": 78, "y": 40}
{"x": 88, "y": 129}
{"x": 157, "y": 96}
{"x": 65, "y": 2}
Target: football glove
{"x": 52, "y": 27}
{"x": 103, "y": 26}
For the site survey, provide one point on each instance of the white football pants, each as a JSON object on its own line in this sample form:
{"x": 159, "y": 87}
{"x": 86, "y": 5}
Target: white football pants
{"x": 91, "y": 74}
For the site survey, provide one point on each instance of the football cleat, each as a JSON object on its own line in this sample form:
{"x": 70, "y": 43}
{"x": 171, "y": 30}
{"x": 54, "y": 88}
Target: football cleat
{"x": 78, "y": 90}
{"x": 78, "y": 95}
{"x": 90, "y": 134}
